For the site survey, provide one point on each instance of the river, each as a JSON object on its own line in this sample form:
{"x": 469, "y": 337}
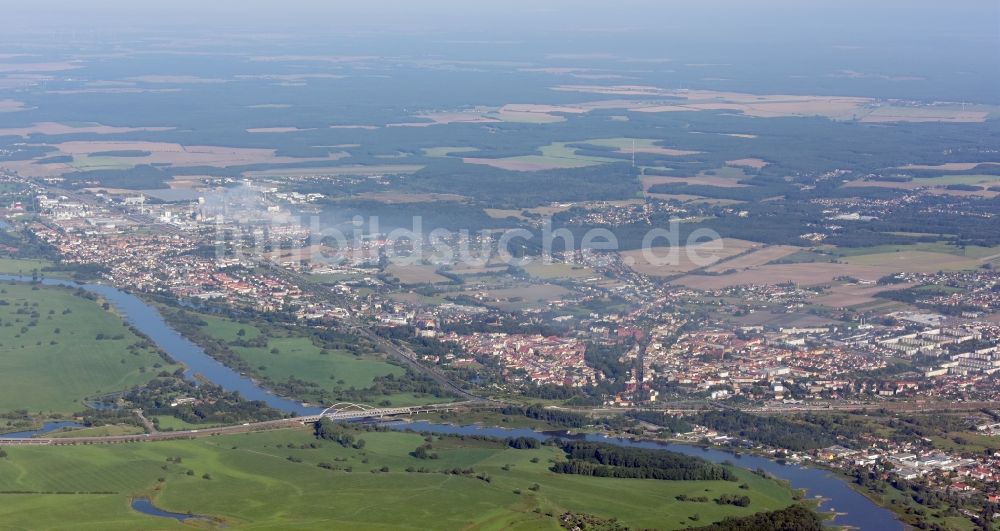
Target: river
{"x": 145, "y": 506}
{"x": 854, "y": 509}
{"x": 46, "y": 428}
{"x": 148, "y": 320}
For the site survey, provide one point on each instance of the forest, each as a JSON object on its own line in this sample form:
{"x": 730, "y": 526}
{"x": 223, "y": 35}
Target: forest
{"x": 605, "y": 460}
{"x": 793, "y": 518}
{"x": 770, "y": 431}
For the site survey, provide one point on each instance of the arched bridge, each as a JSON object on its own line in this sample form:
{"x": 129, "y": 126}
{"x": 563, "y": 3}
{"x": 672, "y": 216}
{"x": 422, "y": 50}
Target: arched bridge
{"x": 348, "y": 410}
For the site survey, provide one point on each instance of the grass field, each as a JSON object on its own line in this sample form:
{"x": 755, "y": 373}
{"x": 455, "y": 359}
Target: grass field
{"x": 920, "y": 257}
{"x": 866, "y": 263}
{"x": 755, "y": 258}
{"x": 934, "y": 247}
{"x": 851, "y": 295}
{"x": 806, "y": 274}
{"x": 299, "y": 357}
{"x": 642, "y": 145}
{"x": 727, "y": 177}
{"x": 545, "y": 211}
{"x": 289, "y": 356}
{"x": 172, "y": 423}
{"x": 685, "y": 258}
{"x": 406, "y": 197}
{"x": 100, "y": 431}
{"x": 944, "y": 180}
{"x": 51, "y": 358}
{"x": 519, "y": 297}
{"x": 16, "y": 266}
{"x": 416, "y": 274}
{"x": 333, "y": 278}
{"x": 255, "y": 485}
{"x": 949, "y": 166}
{"x": 557, "y": 155}
{"x": 25, "y": 266}
{"x": 916, "y": 261}
{"x": 337, "y": 170}
{"x": 558, "y": 270}
{"x": 748, "y": 162}
{"x": 90, "y": 163}
{"x": 937, "y": 184}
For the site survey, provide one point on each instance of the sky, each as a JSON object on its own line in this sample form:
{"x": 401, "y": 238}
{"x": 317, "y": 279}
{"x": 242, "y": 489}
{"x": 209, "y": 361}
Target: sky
{"x": 954, "y": 43}
{"x": 511, "y": 16}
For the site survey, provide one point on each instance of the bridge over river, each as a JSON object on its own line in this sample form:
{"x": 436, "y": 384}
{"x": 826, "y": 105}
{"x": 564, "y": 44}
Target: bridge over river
{"x": 342, "y": 411}
{"x": 349, "y": 411}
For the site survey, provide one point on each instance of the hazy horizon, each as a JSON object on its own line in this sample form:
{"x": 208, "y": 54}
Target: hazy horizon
{"x": 952, "y": 46}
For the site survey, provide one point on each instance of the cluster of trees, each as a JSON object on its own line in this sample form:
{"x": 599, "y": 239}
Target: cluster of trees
{"x": 190, "y": 325}
{"x": 771, "y": 431}
{"x": 423, "y": 452}
{"x": 538, "y": 412}
{"x": 780, "y": 222}
{"x": 738, "y": 500}
{"x": 514, "y": 189}
{"x": 25, "y": 244}
{"x": 449, "y": 215}
{"x": 606, "y": 358}
{"x": 551, "y": 392}
{"x": 590, "y": 522}
{"x": 919, "y": 295}
{"x": 79, "y": 272}
{"x": 102, "y": 417}
{"x": 836, "y": 424}
{"x": 329, "y": 430}
{"x": 523, "y": 443}
{"x": 212, "y": 404}
{"x": 924, "y": 499}
{"x": 411, "y": 382}
{"x": 792, "y": 518}
{"x": 423, "y": 346}
{"x": 605, "y": 460}
{"x": 675, "y": 424}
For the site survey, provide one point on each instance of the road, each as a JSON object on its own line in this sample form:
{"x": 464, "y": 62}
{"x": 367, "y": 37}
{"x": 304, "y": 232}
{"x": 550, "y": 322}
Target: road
{"x": 150, "y": 427}
{"x": 297, "y": 422}
{"x": 158, "y": 436}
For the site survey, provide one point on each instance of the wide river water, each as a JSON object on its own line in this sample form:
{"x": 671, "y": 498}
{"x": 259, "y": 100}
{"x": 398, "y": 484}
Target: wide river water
{"x": 148, "y": 320}
{"x": 853, "y": 509}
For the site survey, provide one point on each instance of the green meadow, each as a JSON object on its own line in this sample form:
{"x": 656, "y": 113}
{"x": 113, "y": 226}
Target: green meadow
{"x": 287, "y": 355}
{"x": 16, "y": 266}
{"x": 270, "y": 480}
{"x": 91, "y": 163}
{"x": 299, "y": 357}
{"x": 57, "y": 349}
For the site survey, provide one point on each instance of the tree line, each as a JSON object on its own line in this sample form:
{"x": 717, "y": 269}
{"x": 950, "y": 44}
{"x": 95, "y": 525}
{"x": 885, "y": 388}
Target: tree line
{"x": 769, "y": 431}
{"x": 604, "y": 460}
